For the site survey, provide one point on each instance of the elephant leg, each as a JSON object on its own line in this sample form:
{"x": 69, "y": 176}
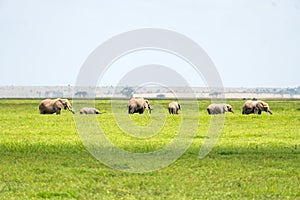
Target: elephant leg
{"x": 130, "y": 110}
{"x": 244, "y": 111}
{"x": 57, "y": 111}
{"x": 247, "y": 111}
{"x": 208, "y": 111}
{"x": 259, "y": 112}
{"x": 141, "y": 111}
{"x": 256, "y": 110}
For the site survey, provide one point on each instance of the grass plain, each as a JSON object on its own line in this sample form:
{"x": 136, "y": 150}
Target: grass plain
{"x": 255, "y": 157}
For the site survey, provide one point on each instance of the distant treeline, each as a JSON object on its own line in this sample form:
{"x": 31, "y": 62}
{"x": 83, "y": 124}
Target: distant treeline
{"x": 128, "y": 91}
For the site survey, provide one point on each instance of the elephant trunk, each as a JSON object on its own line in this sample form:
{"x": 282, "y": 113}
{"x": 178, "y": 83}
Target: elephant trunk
{"x": 269, "y": 111}
{"x": 150, "y": 109}
{"x": 71, "y": 109}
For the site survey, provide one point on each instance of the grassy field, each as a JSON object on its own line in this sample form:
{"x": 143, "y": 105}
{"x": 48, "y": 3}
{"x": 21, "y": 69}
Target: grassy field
{"x": 256, "y": 157}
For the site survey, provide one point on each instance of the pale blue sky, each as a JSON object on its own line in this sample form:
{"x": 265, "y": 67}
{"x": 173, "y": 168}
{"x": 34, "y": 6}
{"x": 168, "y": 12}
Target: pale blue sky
{"x": 253, "y": 43}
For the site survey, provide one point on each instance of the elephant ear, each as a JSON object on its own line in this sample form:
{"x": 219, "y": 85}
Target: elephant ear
{"x": 68, "y": 105}
{"x": 179, "y": 106}
{"x": 59, "y": 103}
{"x": 225, "y": 108}
{"x": 260, "y": 105}
{"x": 146, "y": 104}
{"x": 265, "y": 107}
{"x": 229, "y": 108}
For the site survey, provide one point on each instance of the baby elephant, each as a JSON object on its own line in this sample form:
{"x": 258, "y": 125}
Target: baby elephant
{"x": 174, "y": 107}
{"x": 87, "y": 110}
{"x": 255, "y": 107}
{"x": 213, "y": 109}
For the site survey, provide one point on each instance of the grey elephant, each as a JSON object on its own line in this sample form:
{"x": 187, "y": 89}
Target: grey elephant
{"x": 214, "y": 109}
{"x": 50, "y": 106}
{"x": 87, "y": 110}
{"x": 138, "y": 105}
{"x": 255, "y": 107}
{"x": 173, "y": 108}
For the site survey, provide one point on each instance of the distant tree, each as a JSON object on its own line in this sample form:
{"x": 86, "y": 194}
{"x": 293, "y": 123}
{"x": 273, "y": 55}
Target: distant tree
{"x": 291, "y": 91}
{"x": 53, "y": 94}
{"x": 298, "y": 90}
{"x": 38, "y": 93}
{"x": 81, "y": 94}
{"x": 127, "y": 91}
{"x": 214, "y": 94}
{"x": 160, "y": 96}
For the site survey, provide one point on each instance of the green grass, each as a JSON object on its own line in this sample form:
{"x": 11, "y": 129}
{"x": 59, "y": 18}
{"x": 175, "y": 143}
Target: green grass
{"x": 256, "y": 157}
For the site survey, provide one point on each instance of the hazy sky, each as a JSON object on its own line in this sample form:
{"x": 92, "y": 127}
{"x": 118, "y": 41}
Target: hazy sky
{"x": 253, "y": 43}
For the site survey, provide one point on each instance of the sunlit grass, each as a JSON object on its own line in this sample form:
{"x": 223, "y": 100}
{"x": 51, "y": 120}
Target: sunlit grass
{"x": 255, "y": 157}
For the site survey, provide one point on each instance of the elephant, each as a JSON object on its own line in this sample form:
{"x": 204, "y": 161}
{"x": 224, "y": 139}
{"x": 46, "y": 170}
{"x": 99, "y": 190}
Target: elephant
{"x": 213, "y": 109}
{"x": 138, "y": 105}
{"x": 87, "y": 110}
{"x": 49, "y": 106}
{"x": 173, "y": 108}
{"x": 255, "y": 107}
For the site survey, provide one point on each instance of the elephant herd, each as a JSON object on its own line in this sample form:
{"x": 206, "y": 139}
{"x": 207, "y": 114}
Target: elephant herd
{"x": 249, "y": 107}
{"x": 139, "y": 104}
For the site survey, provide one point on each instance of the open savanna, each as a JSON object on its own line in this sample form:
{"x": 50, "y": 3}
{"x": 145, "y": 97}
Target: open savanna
{"x": 255, "y": 157}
